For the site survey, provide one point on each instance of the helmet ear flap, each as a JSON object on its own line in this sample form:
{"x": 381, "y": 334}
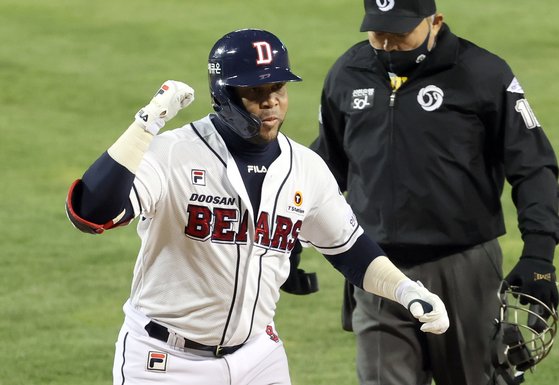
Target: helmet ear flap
{"x": 215, "y": 104}
{"x": 229, "y": 110}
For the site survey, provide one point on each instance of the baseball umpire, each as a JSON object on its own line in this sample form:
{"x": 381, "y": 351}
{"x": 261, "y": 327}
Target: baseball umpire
{"x": 221, "y": 202}
{"x": 421, "y": 128}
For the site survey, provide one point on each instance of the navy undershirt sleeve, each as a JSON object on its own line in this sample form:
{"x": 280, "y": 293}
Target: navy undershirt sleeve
{"x": 354, "y": 262}
{"x": 105, "y": 191}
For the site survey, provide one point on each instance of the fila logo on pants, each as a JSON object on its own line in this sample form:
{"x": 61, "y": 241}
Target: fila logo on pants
{"x": 157, "y": 361}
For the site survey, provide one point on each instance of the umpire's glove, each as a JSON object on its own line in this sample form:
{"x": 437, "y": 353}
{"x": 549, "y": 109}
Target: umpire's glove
{"x": 535, "y": 277}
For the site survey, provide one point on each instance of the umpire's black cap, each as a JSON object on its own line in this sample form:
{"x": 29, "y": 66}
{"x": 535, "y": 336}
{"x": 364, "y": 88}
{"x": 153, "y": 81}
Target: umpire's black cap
{"x": 396, "y": 16}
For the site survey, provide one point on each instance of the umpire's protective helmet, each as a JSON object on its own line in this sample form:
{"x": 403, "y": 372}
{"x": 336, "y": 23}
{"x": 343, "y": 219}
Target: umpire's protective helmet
{"x": 526, "y": 329}
{"x": 245, "y": 58}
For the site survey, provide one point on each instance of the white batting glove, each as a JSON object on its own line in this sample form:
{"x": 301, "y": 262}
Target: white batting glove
{"x": 423, "y": 305}
{"x": 171, "y": 97}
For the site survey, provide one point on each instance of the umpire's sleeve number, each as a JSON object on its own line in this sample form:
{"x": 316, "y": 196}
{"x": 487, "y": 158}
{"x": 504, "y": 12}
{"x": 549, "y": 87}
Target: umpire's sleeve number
{"x": 523, "y": 107}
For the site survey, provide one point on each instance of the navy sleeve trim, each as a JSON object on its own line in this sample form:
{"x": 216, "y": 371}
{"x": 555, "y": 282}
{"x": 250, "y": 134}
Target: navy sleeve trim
{"x": 354, "y": 262}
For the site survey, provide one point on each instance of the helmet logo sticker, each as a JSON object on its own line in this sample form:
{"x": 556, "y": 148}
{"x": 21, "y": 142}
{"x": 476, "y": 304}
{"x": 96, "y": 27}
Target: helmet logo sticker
{"x": 430, "y": 98}
{"x": 385, "y": 5}
{"x": 264, "y": 51}
{"x": 214, "y": 68}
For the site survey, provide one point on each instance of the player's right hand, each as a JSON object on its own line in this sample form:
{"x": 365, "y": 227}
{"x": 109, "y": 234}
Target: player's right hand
{"x": 425, "y": 306}
{"x": 171, "y": 97}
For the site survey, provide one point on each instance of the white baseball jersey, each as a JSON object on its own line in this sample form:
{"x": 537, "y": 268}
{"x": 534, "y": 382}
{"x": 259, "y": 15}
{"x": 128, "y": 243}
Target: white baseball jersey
{"x": 197, "y": 271}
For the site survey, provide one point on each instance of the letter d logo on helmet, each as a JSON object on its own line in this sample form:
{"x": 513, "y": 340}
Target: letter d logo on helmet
{"x": 264, "y": 52}
{"x": 245, "y": 58}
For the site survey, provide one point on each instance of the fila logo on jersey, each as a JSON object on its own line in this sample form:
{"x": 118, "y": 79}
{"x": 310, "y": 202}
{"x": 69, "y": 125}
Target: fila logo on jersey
{"x": 257, "y": 169}
{"x": 264, "y": 51}
{"x": 198, "y": 177}
{"x": 225, "y": 225}
{"x": 157, "y": 361}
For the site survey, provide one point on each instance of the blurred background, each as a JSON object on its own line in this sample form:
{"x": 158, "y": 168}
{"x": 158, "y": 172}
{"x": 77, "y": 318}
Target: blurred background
{"x": 73, "y": 73}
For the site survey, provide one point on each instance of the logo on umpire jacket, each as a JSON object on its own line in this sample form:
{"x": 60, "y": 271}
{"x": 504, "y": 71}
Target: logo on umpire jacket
{"x": 362, "y": 98}
{"x": 515, "y": 87}
{"x": 430, "y": 98}
{"x": 157, "y": 361}
{"x": 385, "y": 5}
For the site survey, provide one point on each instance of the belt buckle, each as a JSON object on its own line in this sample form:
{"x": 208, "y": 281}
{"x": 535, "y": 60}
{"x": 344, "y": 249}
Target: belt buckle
{"x": 218, "y": 351}
{"x": 175, "y": 340}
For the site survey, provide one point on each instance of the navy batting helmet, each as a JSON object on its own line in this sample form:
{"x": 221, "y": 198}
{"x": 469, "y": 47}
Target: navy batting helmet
{"x": 245, "y": 58}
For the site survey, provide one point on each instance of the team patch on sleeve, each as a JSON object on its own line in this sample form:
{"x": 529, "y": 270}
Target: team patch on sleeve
{"x": 515, "y": 87}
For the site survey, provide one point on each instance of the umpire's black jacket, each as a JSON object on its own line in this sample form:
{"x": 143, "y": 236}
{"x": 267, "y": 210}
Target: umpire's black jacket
{"x": 425, "y": 165}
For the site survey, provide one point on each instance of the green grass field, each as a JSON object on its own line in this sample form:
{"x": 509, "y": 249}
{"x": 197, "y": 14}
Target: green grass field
{"x": 73, "y": 73}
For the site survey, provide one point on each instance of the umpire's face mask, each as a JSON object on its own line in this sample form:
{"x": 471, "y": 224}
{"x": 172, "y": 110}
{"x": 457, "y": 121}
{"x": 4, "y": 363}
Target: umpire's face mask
{"x": 403, "y": 62}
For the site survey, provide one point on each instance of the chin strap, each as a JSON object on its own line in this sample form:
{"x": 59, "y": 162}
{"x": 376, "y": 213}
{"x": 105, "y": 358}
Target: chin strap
{"x": 505, "y": 372}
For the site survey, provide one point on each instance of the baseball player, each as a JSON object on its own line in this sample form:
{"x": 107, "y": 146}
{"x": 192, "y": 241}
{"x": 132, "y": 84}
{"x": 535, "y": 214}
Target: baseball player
{"x": 221, "y": 202}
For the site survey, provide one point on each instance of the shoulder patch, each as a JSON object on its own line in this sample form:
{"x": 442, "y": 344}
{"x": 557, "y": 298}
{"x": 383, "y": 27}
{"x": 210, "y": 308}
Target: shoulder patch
{"x": 515, "y": 87}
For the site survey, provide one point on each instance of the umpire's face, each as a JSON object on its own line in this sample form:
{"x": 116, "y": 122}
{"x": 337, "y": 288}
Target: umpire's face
{"x": 408, "y": 41}
{"x": 269, "y": 103}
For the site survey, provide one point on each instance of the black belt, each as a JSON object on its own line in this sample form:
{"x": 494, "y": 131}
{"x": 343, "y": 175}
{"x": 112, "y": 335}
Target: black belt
{"x": 161, "y": 333}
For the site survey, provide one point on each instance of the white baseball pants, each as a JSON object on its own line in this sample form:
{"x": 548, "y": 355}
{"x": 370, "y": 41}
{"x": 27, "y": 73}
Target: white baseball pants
{"x": 140, "y": 359}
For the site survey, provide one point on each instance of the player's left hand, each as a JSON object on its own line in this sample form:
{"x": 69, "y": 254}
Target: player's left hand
{"x": 425, "y": 306}
{"x": 299, "y": 281}
{"x": 535, "y": 277}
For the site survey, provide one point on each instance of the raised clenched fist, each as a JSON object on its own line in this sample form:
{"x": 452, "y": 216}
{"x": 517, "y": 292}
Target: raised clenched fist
{"x": 171, "y": 97}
